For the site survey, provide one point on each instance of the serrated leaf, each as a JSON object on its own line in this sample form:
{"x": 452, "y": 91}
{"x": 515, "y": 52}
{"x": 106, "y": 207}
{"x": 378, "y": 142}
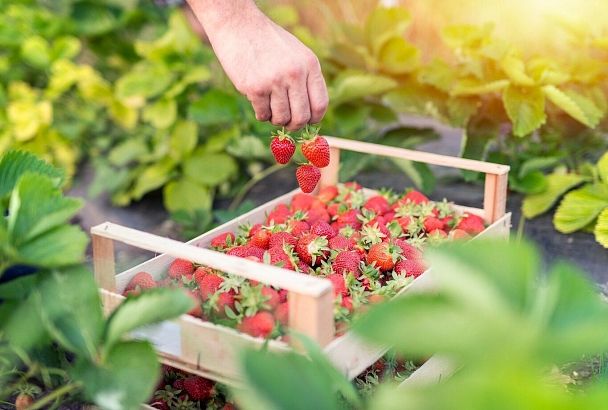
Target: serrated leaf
{"x": 153, "y": 177}
{"x": 397, "y": 56}
{"x": 16, "y": 163}
{"x": 515, "y": 69}
{"x": 353, "y": 85}
{"x": 152, "y": 306}
{"x": 577, "y": 106}
{"x": 531, "y": 183}
{"x": 557, "y": 185}
{"x": 384, "y": 23}
{"x": 475, "y": 87}
{"x": 215, "y": 107}
{"x": 186, "y": 195}
{"x": 580, "y": 207}
{"x": 525, "y": 107}
{"x": 183, "y": 139}
{"x": 602, "y": 167}
{"x": 161, "y": 114}
{"x": 62, "y": 246}
{"x": 210, "y": 169}
{"x": 538, "y": 164}
{"x": 601, "y": 228}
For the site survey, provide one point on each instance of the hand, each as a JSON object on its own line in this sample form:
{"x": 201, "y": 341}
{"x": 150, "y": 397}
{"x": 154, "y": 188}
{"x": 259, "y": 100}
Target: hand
{"x": 279, "y": 75}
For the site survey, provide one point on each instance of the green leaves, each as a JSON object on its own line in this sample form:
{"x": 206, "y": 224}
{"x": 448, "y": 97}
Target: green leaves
{"x": 215, "y": 107}
{"x": 525, "y": 107}
{"x": 557, "y": 185}
{"x": 580, "y": 207}
{"x": 601, "y": 228}
{"x": 13, "y": 164}
{"x": 385, "y": 23}
{"x": 144, "y": 81}
{"x": 210, "y": 169}
{"x": 186, "y": 195}
{"x": 354, "y": 85}
{"x": 576, "y": 105}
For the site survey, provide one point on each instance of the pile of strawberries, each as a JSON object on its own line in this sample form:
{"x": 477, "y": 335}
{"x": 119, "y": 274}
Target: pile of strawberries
{"x": 314, "y": 147}
{"x": 178, "y": 390}
{"x": 369, "y": 247}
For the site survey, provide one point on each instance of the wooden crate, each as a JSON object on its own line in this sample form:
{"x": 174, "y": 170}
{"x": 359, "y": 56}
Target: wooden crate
{"x": 211, "y": 350}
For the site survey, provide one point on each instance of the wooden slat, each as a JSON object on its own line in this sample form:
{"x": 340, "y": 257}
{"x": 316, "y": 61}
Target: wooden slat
{"x": 418, "y": 156}
{"x": 313, "y": 317}
{"x": 495, "y": 196}
{"x": 103, "y": 262}
{"x": 271, "y": 275}
{"x": 110, "y": 301}
{"x": 329, "y": 174}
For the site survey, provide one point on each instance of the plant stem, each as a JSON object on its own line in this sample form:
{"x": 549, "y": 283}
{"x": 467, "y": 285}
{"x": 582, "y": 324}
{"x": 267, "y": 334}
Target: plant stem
{"x": 520, "y": 228}
{"x": 238, "y": 198}
{"x": 68, "y": 388}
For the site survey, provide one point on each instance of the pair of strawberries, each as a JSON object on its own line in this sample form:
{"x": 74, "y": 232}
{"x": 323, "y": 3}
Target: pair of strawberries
{"x": 314, "y": 147}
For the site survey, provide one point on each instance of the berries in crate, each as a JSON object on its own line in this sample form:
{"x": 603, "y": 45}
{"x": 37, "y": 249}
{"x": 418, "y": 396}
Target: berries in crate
{"x": 307, "y": 263}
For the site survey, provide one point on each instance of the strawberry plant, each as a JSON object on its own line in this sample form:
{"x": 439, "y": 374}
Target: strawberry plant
{"x": 55, "y": 344}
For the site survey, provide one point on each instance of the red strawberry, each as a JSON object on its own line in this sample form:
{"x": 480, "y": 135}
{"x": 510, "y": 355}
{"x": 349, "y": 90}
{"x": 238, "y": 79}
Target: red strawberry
{"x": 209, "y": 285}
{"x": 471, "y": 224}
{"x": 283, "y": 295}
{"x": 260, "y": 239}
{"x": 312, "y": 249}
{"x": 459, "y": 234}
{"x": 196, "y": 311}
{"x": 322, "y": 228}
{"x": 378, "y": 204}
{"x": 410, "y": 267}
{"x": 432, "y": 223}
{"x": 259, "y": 325}
{"x": 302, "y": 202}
{"x": 298, "y": 227}
{"x": 281, "y": 238}
{"x": 308, "y": 176}
{"x": 346, "y": 261}
{"x": 333, "y": 209}
{"x": 273, "y": 297}
{"x": 198, "y": 388}
{"x": 282, "y": 147}
{"x": 139, "y": 282}
{"x": 404, "y": 222}
{"x": 340, "y": 242}
{"x": 178, "y": 384}
{"x": 316, "y": 150}
{"x": 389, "y": 216}
{"x": 225, "y": 300}
{"x": 408, "y": 251}
{"x": 382, "y": 255}
{"x": 254, "y": 229}
{"x": 223, "y": 240}
{"x": 201, "y": 272}
{"x": 281, "y": 313}
{"x": 347, "y": 302}
{"x": 317, "y": 214}
{"x": 350, "y": 217}
{"x": 303, "y": 267}
{"x": 280, "y": 258}
{"x": 415, "y": 197}
{"x": 353, "y": 186}
{"x": 181, "y": 267}
{"x": 278, "y": 215}
{"x": 327, "y": 193}
{"x": 337, "y": 281}
{"x": 23, "y": 401}
{"x": 437, "y": 233}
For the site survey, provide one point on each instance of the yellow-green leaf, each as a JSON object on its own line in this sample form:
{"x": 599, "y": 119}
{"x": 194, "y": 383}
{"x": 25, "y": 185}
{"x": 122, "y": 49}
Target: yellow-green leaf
{"x": 472, "y": 86}
{"x": 35, "y": 51}
{"x": 152, "y": 177}
{"x": 161, "y": 114}
{"x": 580, "y": 207}
{"x": 123, "y": 115}
{"x": 601, "y": 228}
{"x": 525, "y": 107}
{"x": 186, "y": 195}
{"x": 577, "y": 106}
{"x": 516, "y": 71}
{"x": 354, "y": 85}
{"x": 602, "y": 167}
{"x": 210, "y": 169}
{"x": 183, "y": 139}
{"x": 397, "y": 56}
{"x": 384, "y": 23}
{"x": 557, "y": 185}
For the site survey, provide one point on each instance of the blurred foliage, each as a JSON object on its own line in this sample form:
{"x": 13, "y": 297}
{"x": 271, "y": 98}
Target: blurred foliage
{"x": 54, "y": 338}
{"x": 506, "y": 328}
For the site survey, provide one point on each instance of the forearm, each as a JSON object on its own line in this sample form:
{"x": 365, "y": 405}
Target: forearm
{"x": 221, "y": 15}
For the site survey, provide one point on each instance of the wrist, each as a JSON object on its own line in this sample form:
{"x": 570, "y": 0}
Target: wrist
{"x": 225, "y": 15}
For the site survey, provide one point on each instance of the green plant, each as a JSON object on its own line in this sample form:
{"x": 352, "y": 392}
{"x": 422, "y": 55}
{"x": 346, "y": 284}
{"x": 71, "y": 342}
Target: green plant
{"x": 584, "y": 208}
{"x": 53, "y": 333}
{"x": 503, "y": 326}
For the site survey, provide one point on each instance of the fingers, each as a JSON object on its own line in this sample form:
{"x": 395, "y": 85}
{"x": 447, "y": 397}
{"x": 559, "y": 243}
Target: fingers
{"x": 298, "y": 102}
{"x": 279, "y": 106}
{"x": 261, "y": 105}
{"x": 317, "y": 94}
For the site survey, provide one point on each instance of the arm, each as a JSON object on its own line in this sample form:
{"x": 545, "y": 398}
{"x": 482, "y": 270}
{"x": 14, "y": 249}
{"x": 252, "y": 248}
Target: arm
{"x": 279, "y": 75}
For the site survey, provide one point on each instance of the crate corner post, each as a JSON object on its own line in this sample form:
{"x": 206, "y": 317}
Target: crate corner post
{"x": 103, "y": 259}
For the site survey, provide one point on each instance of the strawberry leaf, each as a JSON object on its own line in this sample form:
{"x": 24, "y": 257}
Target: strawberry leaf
{"x": 601, "y": 228}
{"x": 557, "y": 185}
{"x": 580, "y": 207}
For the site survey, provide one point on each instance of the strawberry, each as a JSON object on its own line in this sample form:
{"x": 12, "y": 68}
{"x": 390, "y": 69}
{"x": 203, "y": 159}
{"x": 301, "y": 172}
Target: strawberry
{"x": 281, "y": 238}
{"x": 279, "y": 257}
{"x": 222, "y": 240}
{"x": 459, "y": 234}
{"x": 337, "y": 281}
{"x": 471, "y": 224}
{"x": 260, "y": 239}
{"x": 224, "y": 300}
{"x": 209, "y": 285}
{"x": 308, "y": 176}
{"x": 404, "y": 222}
{"x": 278, "y": 215}
{"x": 375, "y": 298}
{"x": 353, "y": 186}
{"x": 200, "y": 273}
{"x": 282, "y": 147}
{"x": 281, "y": 313}
{"x": 347, "y": 302}
{"x": 254, "y": 229}
{"x": 312, "y": 249}
{"x": 334, "y": 209}
{"x": 346, "y": 261}
{"x": 139, "y": 282}
{"x": 415, "y": 197}
{"x": 244, "y": 251}
{"x": 322, "y": 228}
{"x": 303, "y": 267}
{"x": 259, "y": 325}
{"x": 283, "y": 295}
{"x": 315, "y": 148}
{"x": 197, "y": 310}
{"x": 23, "y": 401}
{"x": 350, "y": 217}
{"x": 317, "y": 214}
{"x": 302, "y": 201}
{"x": 410, "y": 267}
{"x": 339, "y": 242}
{"x": 198, "y": 388}
{"x": 408, "y": 251}
{"x": 181, "y": 267}
{"x": 377, "y": 204}
{"x": 432, "y": 223}
{"x": 273, "y": 297}
{"x": 327, "y": 193}
{"x": 383, "y": 256}
{"x": 298, "y": 227}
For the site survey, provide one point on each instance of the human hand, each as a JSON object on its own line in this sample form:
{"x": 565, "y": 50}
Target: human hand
{"x": 279, "y": 75}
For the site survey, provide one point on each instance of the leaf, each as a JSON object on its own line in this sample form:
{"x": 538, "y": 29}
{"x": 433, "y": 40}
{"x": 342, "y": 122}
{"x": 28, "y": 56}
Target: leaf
{"x": 183, "y": 139}
{"x": 71, "y": 310}
{"x": 525, "y": 107}
{"x": 602, "y": 167}
{"x": 531, "y": 183}
{"x": 420, "y": 173}
{"x": 353, "y": 85}
{"x": 124, "y": 380}
{"x": 577, "y": 106}
{"x": 210, "y": 169}
{"x": 36, "y": 51}
{"x": 66, "y": 47}
{"x": 153, "y": 177}
{"x": 215, "y": 107}
{"x": 93, "y": 19}
{"x": 475, "y": 87}
{"x": 557, "y": 185}
{"x": 150, "y": 307}
{"x": 475, "y": 142}
{"x": 16, "y": 163}
{"x": 128, "y": 151}
{"x": 601, "y": 228}
{"x": 580, "y": 207}
{"x": 161, "y": 114}
{"x": 123, "y": 114}
{"x": 186, "y": 195}
{"x": 538, "y": 164}
{"x": 516, "y": 71}
{"x": 198, "y": 74}
{"x": 397, "y": 56}
{"x": 384, "y": 23}
{"x": 145, "y": 80}
{"x": 248, "y": 147}
{"x": 62, "y": 246}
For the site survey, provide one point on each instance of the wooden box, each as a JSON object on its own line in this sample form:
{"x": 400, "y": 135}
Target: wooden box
{"x": 211, "y": 350}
